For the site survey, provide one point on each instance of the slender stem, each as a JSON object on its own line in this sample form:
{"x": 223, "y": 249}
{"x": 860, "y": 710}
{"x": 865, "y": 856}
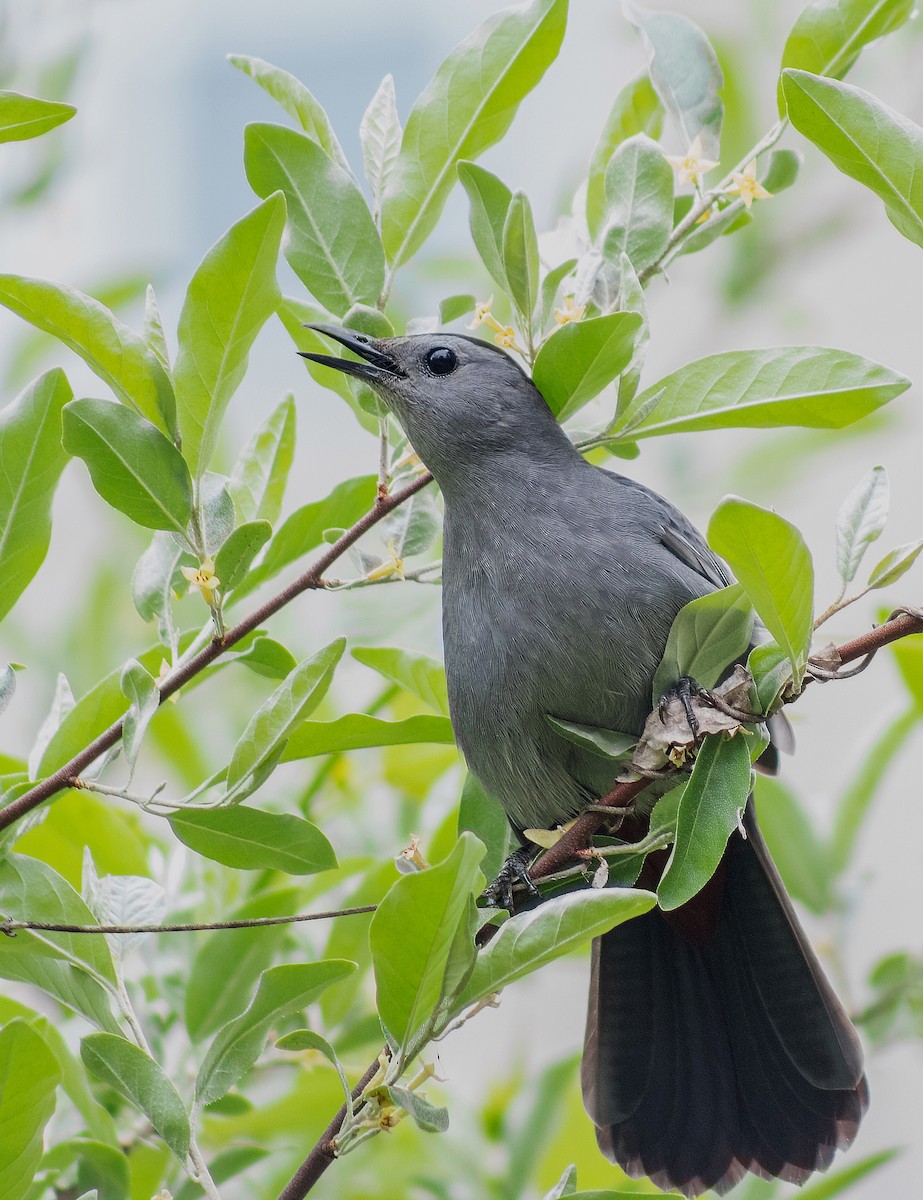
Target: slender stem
{"x": 10, "y": 927}
{"x": 311, "y": 579}
{"x": 383, "y": 449}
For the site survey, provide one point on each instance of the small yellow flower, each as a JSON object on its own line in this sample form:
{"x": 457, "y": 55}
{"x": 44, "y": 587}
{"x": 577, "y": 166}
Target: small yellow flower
{"x": 504, "y": 335}
{"x": 746, "y": 186}
{"x": 691, "y": 166}
{"x": 412, "y": 854}
{"x": 392, "y": 566}
{"x": 410, "y": 459}
{"x": 482, "y": 313}
{"x": 165, "y": 670}
{"x": 570, "y": 311}
{"x": 204, "y": 579}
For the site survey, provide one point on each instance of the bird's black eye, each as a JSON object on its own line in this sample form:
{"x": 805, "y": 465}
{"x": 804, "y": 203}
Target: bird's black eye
{"x": 441, "y": 360}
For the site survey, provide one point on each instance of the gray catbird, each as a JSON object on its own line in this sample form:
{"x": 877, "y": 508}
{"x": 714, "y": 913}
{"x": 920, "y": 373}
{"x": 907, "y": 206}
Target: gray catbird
{"x": 714, "y": 1043}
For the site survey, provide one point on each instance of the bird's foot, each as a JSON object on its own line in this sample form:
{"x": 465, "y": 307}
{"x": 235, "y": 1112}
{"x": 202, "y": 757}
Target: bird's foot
{"x": 684, "y": 690}
{"x": 515, "y": 870}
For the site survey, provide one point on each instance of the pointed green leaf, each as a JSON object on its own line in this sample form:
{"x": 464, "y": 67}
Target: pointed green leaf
{"x": 684, "y": 70}
{"x": 250, "y": 839}
{"x": 865, "y": 140}
{"x": 412, "y": 932}
{"x": 793, "y": 385}
{"x": 275, "y": 721}
{"x": 895, "y": 564}
{"x": 707, "y": 635}
{"x": 467, "y": 107}
{"x": 769, "y": 558}
{"x": 578, "y": 360}
{"x": 637, "y": 109}
{"x": 551, "y": 285}
{"x": 31, "y": 461}
{"x": 133, "y": 466}
{"x": 861, "y": 519}
{"x": 357, "y": 731}
{"x": 230, "y": 297}
{"x": 282, "y": 990}
{"x": 418, "y": 673}
{"x": 802, "y": 858}
{"x": 331, "y": 242}
{"x": 380, "y": 133}
{"x": 23, "y": 117}
{"x": 307, "y": 1039}
{"x": 607, "y": 743}
{"x": 119, "y": 356}
{"x": 141, "y": 690}
{"x": 531, "y": 939}
{"x": 520, "y": 255}
{"x": 483, "y": 816}
{"x": 709, "y": 812}
{"x": 236, "y": 556}
{"x": 639, "y": 203}
{"x": 304, "y": 529}
{"x": 431, "y": 1118}
{"x": 143, "y": 1083}
{"x": 29, "y": 1076}
{"x": 291, "y": 94}
{"x": 489, "y": 203}
{"x": 154, "y": 334}
{"x": 261, "y": 473}
{"x": 828, "y": 36}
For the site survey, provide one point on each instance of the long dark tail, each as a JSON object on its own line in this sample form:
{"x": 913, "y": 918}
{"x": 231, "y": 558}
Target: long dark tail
{"x": 715, "y": 1045}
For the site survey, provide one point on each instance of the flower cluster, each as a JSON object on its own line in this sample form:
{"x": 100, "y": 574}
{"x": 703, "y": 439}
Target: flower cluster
{"x": 504, "y": 335}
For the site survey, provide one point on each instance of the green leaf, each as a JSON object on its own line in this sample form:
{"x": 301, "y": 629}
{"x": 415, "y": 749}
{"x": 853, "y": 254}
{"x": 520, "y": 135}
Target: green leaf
{"x": 412, "y": 933}
{"x": 380, "y": 134}
{"x": 230, "y": 297}
{"x": 723, "y": 221}
{"x": 639, "y": 203}
{"x": 356, "y": 731}
{"x": 607, "y": 743}
{"x": 531, "y": 939}
{"x": 143, "y": 1083}
{"x": 709, "y": 812}
{"x": 29, "y": 1075}
{"x": 276, "y": 719}
{"x": 291, "y": 94}
{"x": 282, "y": 990}
{"x": 304, "y": 528}
{"x": 307, "y": 1039}
{"x": 895, "y": 564}
{"x": 331, "y": 242}
{"x": 908, "y": 654}
{"x": 143, "y": 695}
{"x": 631, "y": 300}
{"x": 838, "y": 1182}
{"x": 154, "y": 334}
{"x": 31, "y": 461}
{"x": 489, "y": 202}
{"x": 520, "y": 256}
{"x": 827, "y": 37}
{"x": 483, "y": 816}
{"x": 467, "y": 107}
{"x": 23, "y": 117}
{"x": 577, "y": 361}
{"x": 684, "y": 70}
{"x": 865, "y": 140}
{"x": 430, "y": 1118}
{"x": 251, "y": 839}
{"x": 707, "y": 635}
{"x": 771, "y": 669}
{"x": 31, "y": 891}
{"x": 781, "y": 170}
{"x": 133, "y": 466}
{"x": 770, "y": 560}
{"x": 261, "y": 473}
{"x": 861, "y": 519}
{"x": 809, "y": 386}
{"x": 225, "y": 970}
{"x": 418, "y": 673}
{"x": 236, "y": 556}
{"x": 802, "y": 858}
{"x": 637, "y": 109}
{"x": 70, "y": 986}
{"x": 119, "y": 356}
{"x": 268, "y": 658}
{"x": 551, "y": 285}
{"x": 453, "y": 308}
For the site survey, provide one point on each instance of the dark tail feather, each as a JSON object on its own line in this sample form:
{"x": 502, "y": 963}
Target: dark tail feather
{"x": 715, "y": 1045}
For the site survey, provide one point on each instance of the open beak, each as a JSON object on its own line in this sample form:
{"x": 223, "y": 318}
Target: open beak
{"x": 376, "y": 364}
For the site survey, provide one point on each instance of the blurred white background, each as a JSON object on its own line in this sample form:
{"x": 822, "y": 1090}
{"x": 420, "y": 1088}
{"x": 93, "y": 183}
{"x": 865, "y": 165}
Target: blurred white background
{"x": 153, "y": 175}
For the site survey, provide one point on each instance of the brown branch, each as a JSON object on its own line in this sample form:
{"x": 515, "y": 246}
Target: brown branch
{"x": 312, "y": 578}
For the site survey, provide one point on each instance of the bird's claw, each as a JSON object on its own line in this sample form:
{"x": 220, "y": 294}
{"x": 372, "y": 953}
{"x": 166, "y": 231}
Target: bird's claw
{"x": 683, "y": 690}
{"x": 499, "y": 893}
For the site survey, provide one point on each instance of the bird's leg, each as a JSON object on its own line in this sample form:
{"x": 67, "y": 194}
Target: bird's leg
{"x": 683, "y": 690}
{"x": 499, "y": 894}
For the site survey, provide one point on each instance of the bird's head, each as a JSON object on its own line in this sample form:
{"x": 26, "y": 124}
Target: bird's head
{"x": 459, "y": 399}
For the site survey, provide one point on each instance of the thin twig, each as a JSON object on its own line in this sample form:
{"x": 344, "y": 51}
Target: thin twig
{"x": 311, "y": 579}
{"x": 10, "y": 927}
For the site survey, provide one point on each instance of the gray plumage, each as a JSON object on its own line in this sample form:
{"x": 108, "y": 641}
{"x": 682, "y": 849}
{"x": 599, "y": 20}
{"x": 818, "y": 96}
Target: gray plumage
{"x": 560, "y": 583}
